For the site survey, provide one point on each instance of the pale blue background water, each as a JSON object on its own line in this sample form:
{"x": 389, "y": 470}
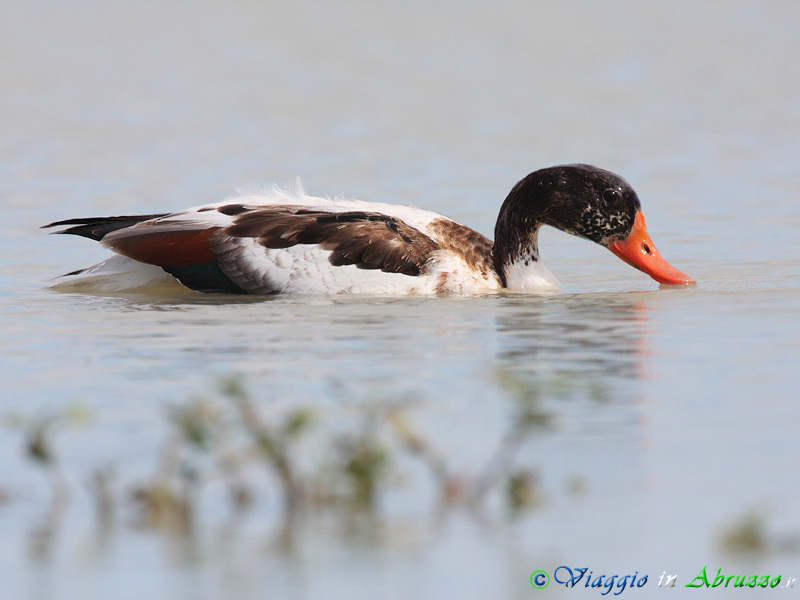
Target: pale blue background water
{"x": 114, "y": 108}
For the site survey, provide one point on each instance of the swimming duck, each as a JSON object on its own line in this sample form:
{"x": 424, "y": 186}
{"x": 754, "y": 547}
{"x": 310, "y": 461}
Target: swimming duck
{"x": 284, "y": 241}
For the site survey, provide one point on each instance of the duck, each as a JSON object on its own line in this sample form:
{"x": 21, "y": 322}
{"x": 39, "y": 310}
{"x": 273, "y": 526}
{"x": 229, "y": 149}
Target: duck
{"x": 283, "y": 241}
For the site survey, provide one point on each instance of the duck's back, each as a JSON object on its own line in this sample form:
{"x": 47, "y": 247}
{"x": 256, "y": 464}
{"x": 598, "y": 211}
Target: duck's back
{"x": 284, "y": 241}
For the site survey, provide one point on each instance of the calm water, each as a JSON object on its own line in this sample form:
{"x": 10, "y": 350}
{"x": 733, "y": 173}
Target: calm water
{"x": 671, "y": 415}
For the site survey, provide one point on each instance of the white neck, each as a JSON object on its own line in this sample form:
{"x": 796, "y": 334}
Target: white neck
{"x": 527, "y": 272}
{"x": 532, "y": 277}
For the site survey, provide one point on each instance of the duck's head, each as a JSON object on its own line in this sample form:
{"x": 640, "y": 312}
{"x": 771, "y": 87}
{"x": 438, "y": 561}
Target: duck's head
{"x": 588, "y": 202}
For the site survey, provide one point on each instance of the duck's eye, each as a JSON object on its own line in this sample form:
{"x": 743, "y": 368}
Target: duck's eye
{"x": 611, "y": 195}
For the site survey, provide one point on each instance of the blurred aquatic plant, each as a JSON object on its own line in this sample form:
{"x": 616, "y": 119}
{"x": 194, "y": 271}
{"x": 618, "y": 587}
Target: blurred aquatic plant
{"x": 472, "y": 489}
{"x": 363, "y": 463}
{"x": 164, "y": 505}
{"x": 529, "y": 415}
{"x": 750, "y": 534}
{"x": 101, "y": 489}
{"x": 40, "y": 429}
{"x": 356, "y": 467}
{"x": 39, "y": 432}
{"x": 38, "y": 444}
{"x": 746, "y": 535}
{"x": 522, "y": 490}
{"x": 166, "y": 500}
{"x": 229, "y": 436}
{"x": 451, "y": 486}
{"x": 272, "y": 443}
{"x": 198, "y": 423}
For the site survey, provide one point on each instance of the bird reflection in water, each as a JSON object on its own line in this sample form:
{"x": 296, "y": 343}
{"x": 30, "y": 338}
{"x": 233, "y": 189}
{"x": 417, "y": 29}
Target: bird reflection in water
{"x": 587, "y": 343}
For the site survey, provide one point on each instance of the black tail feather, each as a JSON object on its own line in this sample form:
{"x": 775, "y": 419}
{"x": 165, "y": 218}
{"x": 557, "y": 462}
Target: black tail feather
{"x": 96, "y": 228}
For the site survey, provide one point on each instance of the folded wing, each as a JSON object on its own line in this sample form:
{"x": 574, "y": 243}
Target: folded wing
{"x": 234, "y": 248}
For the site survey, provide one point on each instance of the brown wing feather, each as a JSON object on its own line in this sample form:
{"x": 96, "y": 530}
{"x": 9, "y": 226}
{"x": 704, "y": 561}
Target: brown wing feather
{"x": 474, "y": 248}
{"x": 366, "y": 240}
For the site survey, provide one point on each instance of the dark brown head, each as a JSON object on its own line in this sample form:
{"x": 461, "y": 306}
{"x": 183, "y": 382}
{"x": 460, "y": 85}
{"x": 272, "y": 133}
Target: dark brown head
{"x": 585, "y": 201}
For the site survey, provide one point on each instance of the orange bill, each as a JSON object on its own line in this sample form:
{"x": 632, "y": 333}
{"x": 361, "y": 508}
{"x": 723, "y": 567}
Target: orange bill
{"x": 639, "y": 252}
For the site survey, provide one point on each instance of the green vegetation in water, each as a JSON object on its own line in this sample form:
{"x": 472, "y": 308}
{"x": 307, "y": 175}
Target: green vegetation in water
{"x": 225, "y": 436}
{"x": 750, "y": 534}
{"x": 229, "y": 439}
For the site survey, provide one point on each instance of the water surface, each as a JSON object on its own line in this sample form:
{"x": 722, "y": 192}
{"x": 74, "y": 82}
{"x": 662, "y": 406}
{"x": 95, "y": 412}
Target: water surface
{"x": 669, "y": 416}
